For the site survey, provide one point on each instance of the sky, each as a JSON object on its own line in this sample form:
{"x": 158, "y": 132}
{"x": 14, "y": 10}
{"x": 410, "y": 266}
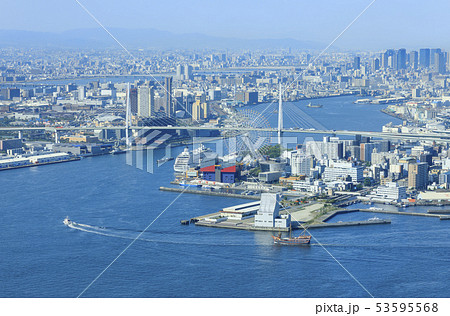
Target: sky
{"x": 386, "y": 24}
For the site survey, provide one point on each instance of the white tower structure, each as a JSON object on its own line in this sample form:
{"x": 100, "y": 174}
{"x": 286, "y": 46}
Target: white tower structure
{"x": 127, "y": 117}
{"x": 280, "y": 115}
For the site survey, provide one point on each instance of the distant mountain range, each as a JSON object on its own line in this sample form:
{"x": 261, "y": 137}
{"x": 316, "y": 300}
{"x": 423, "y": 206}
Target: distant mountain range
{"x": 142, "y": 38}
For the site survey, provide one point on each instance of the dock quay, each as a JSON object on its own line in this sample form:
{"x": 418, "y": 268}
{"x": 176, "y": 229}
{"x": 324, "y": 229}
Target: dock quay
{"x": 203, "y": 217}
{"x": 329, "y": 216}
{"x": 354, "y": 223}
{"x": 298, "y": 219}
{"x": 211, "y": 193}
{"x": 441, "y": 217}
{"x": 40, "y": 164}
{"x": 242, "y": 225}
{"x": 438, "y": 211}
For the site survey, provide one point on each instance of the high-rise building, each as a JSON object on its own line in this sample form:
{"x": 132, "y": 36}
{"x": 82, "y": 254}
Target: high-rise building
{"x": 387, "y": 57}
{"x": 247, "y": 97}
{"x": 215, "y": 95}
{"x": 145, "y": 101}
{"x": 416, "y": 93}
{"x": 401, "y": 59}
{"x": 134, "y": 101}
{"x": 356, "y": 62}
{"x": 9, "y": 93}
{"x": 433, "y": 53}
{"x": 444, "y": 177}
{"x": 439, "y": 63}
{"x": 376, "y": 64}
{"x": 424, "y": 57}
{"x": 81, "y": 93}
{"x": 418, "y": 175}
{"x": 366, "y": 150}
{"x": 188, "y": 72}
{"x": 426, "y": 157}
{"x": 414, "y": 59}
{"x": 169, "y": 106}
{"x": 301, "y": 164}
{"x": 180, "y": 72}
{"x": 332, "y": 148}
{"x": 199, "y": 111}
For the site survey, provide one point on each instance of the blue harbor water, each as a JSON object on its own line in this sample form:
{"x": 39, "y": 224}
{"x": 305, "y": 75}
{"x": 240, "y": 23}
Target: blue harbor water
{"x": 40, "y": 257}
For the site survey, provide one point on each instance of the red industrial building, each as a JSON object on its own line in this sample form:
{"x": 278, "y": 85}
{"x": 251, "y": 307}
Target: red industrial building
{"x": 219, "y": 174}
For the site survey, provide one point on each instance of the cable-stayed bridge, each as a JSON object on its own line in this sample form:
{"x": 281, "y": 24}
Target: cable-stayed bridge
{"x": 431, "y": 136}
{"x": 252, "y": 124}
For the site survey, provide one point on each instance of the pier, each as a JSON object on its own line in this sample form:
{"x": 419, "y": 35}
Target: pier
{"x": 354, "y": 223}
{"x": 298, "y": 219}
{"x": 40, "y": 164}
{"x": 442, "y": 217}
{"x": 438, "y": 211}
{"x": 243, "y": 225}
{"x": 211, "y": 193}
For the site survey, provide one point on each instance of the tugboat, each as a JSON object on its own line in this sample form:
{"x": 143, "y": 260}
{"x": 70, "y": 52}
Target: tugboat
{"x": 302, "y": 239}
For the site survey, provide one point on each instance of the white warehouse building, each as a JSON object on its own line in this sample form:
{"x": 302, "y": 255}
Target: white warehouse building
{"x": 342, "y": 170}
{"x": 389, "y": 192}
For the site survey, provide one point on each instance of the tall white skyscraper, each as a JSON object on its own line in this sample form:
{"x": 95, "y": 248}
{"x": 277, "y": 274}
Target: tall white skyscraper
{"x": 81, "y": 93}
{"x": 146, "y": 97}
{"x": 180, "y": 73}
{"x": 188, "y": 72}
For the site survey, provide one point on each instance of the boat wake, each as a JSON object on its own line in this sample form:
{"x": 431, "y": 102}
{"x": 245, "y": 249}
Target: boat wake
{"x": 125, "y": 233}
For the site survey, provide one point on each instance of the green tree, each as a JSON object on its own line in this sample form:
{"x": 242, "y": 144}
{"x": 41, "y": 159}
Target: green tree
{"x": 367, "y": 182}
{"x": 273, "y": 151}
{"x": 255, "y": 172}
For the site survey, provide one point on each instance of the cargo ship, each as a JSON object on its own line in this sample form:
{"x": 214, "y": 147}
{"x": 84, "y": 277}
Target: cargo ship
{"x": 302, "y": 239}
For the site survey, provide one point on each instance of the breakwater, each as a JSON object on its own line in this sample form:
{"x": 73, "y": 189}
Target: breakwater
{"x": 211, "y": 193}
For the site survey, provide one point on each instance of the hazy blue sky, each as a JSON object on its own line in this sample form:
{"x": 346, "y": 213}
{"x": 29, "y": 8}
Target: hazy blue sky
{"x": 388, "y": 23}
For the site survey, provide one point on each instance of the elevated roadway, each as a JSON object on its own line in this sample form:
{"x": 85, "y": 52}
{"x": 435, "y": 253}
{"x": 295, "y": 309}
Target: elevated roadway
{"x": 439, "y": 137}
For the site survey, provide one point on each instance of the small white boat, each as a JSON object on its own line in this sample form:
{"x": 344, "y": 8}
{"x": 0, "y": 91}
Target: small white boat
{"x": 163, "y": 160}
{"x": 310, "y": 105}
{"x": 67, "y": 221}
{"x": 188, "y": 184}
{"x": 374, "y": 219}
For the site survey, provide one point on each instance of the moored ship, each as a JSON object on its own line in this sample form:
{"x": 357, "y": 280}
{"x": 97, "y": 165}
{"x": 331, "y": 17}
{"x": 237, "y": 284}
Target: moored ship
{"x": 191, "y": 159}
{"x": 302, "y": 239}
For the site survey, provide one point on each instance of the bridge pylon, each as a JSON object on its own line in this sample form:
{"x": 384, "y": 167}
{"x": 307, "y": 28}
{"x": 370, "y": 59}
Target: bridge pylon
{"x": 280, "y": 115}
